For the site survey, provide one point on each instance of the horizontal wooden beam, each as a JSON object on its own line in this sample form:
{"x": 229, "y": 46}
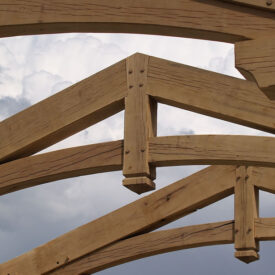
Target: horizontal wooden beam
{"x": 151, "y": 244}
{"x": 210, "y": 94}
{"x": 264, "y": 178}
{"x": 61, "y": 164}
{"x": 265, "y": 229}
{"x": 146, "y": 214}
{"x": 212, "y": 149}
{"x": 255, "y": 59}
{"x": 64, "y": 113}
{"x": 211, "y": 20}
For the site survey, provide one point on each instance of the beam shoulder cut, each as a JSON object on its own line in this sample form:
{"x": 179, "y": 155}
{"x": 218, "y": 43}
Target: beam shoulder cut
{"x": 144, "y": 215}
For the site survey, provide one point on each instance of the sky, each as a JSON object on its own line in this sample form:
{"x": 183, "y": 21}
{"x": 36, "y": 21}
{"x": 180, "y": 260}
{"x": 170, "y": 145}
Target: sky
{"x": 35, "y": 67}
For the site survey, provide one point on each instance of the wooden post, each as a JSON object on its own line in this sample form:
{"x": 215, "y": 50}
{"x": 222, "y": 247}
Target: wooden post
{"x": 246, "y": 211}
{"x": 140, "y": 124}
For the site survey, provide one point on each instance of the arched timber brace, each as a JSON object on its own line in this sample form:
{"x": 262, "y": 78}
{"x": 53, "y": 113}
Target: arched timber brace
{"x": 136, "y": 85}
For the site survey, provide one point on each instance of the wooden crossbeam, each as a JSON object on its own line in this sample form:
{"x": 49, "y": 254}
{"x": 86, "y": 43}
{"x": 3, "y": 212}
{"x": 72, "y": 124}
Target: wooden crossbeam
{"x": 210, "y": 94}
{"x": 64, "y": 113}
{"x": 255, "y": 59}
{"x": 150, "y": 244}
{"x": 211, "y": 20}
{"x": 246, "y": 211}
{"x": 61, "y": 164}
{"x": 140, "y": 123}
{"x": 265, "y": 229}
{"x": 146, "y": 214}
{"x": 212, "y": 149}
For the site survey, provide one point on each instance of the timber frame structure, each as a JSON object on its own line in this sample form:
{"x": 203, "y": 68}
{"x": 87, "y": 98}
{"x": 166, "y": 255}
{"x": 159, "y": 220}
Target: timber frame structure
{"x": 241, "y": 165}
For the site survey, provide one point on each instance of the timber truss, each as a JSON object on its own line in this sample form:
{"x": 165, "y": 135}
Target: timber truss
{"x": 241, "y": 165}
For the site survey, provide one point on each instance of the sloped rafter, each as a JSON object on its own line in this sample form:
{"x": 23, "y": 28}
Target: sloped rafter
{"x": 209, "y": 19}
{"x": 255, "y": 59}
{"x": 32, "y": 171}
{"x": 210, "y": 94}
{"x": 64, "y": 113}
{"x": 211, "y": 149}
{"x": 146, "y": 214}
{"x": 264, "y": 178}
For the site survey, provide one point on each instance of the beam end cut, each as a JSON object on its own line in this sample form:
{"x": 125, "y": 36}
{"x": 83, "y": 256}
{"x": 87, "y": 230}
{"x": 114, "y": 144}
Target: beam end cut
{"x": 247, "y": 256}
{"x": 139, "y": 185}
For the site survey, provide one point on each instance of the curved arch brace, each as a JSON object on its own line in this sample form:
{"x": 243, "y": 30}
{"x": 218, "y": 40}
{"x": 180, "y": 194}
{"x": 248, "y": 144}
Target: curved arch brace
{"x": 211, "y": 20}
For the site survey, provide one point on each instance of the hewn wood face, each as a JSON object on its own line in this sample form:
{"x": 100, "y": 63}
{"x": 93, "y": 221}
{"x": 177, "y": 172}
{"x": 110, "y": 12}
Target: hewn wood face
{"x": 264, "y": 178}
{"x": 150, "y": 244}
{"x": 262, "y": 4}
{"x": 64, "y": 113}
{"x": 246, "y": 211}
{"x": 255, "y": 59}
{"x": 210, "y": 94}
{"x": 212, "y": 149}
{"x": 140, "y": 123}
{"x": 72, "y": 162}
{"x": 212, "y": 20}
{"x": 146, "y": 214}
{"x": 265, "y": 229}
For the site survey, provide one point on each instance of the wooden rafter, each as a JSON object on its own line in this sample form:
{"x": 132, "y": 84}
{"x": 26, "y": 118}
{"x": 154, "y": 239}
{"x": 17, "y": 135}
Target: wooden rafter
{"x": 212, "y": 149}
{"x": 146, "y": 214}
{"x": 264, "y": 178}
{"x": 64, "y": 113}
{"x": 210, "y": 94}
{"x": 262, "y": 4}
{"x": 32, "y": 171}
{"x": 210, "y": 20}
{"x": 255, "y": 59}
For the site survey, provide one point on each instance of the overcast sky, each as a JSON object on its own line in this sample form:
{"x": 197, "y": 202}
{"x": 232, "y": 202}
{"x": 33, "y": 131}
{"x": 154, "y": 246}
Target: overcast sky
{"x": 35, "y": 67}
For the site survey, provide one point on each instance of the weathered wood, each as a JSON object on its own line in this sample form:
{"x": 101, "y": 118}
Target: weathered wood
{"x": 264, "y": 178}
{"x": 146, "y": 214}
{"x": 211, "y": 20}
{"x": 255, "y": 59}
{"x": 262, "y": 4}
{"x": 61, "y": 164}
{"x": 212, "y": 149}
{"x": 246, "y": 211}
{"x": 265, "y": 229}
{"x": 210, "y": 94}
{"x": 64, "y": 113}
{"x": 151, "y": 244}
{"x": 140, "y": 123}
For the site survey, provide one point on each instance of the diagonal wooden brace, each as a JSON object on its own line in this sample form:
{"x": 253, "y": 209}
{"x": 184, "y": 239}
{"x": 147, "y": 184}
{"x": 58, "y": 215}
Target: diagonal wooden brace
{"x": 140, "y": 124}
{"x": 246, "y": 211}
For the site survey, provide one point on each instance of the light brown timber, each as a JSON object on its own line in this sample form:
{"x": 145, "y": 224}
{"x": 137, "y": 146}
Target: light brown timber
{"x": 150, "y": 244}
{"x": 146, "y": 214}
{"x": 255, "y": 59}
{"x": 140, "y": 123}
{"x": 34, "y": 170}
{"x": 264, "y": 178}
{"x": 64, "y": 113}
{"x": 262, "y": 4}
{"x": 212, "y": 149}
{"x": 210, "y": 94}
{"x": 246, "y": 211}
{"x": 265, "y": 229}
{"x": 211, "y": 20}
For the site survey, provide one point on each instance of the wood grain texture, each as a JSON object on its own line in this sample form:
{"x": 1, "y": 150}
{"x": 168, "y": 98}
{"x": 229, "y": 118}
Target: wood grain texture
{"x": 255, "y": 59}
{"x": 84, "y": 160}
{"x": 212, "y": 149}
{"x": 259, "y": 4}
{"x": 246, "y": 210}
{"x": 146, "y": 214}
{"x": 211, "y": 20}
{"x": 140, "y": 123}
{"x": 150, "y": 244}
{"x": 64, "y": 113}
{"x": 210, "y": 94}
{"x": 265, "y": 229}
{"x": 264, "y": 178}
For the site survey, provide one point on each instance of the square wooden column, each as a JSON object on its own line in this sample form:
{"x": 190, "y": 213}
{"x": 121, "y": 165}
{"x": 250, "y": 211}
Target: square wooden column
{"x": 140, "y": 124}
{"x": 246, "y": 211}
